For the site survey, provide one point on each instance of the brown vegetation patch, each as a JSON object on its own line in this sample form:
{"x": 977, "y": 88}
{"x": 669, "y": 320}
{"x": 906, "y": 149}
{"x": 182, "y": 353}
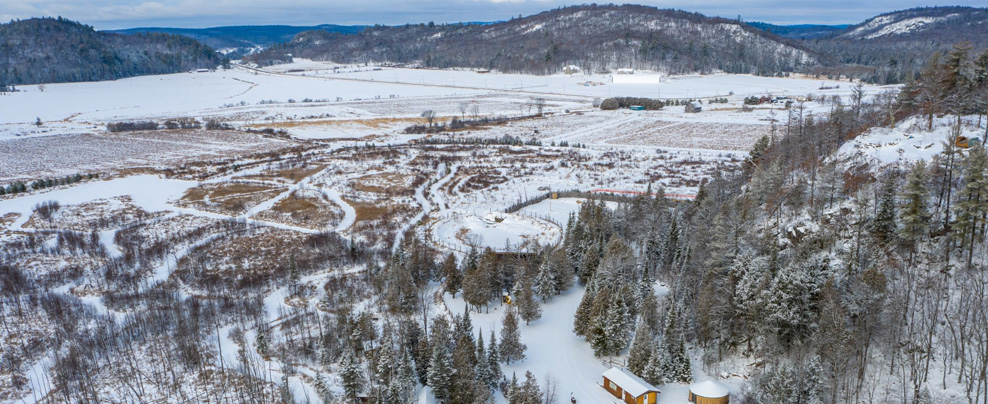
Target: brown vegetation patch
{"x": 291, "y": 174}
{"x": 378, "y": 222}
{"x": 98, "y": 215}
{"x": 230, "y": 198}
{"x": 384, "y": 183}
{"x": 8, "y": 218}
{"x": 256, "y": 257}
{"x": 299, "y": 209}
{"x": 482, "y": 181}
{"x": 374, "y": 123}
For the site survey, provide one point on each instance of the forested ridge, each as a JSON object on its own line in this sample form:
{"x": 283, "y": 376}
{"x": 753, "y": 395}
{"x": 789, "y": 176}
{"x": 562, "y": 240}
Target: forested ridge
{"x": 594, "y": 37}
{"x": 51, "y": 50}
{"x": 889, "y": 48}
{"x": 893, "y": 47}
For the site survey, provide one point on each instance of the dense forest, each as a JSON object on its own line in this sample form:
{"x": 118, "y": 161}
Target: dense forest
{"x": 594, "y": 37}
{"x": 50, "y": 50}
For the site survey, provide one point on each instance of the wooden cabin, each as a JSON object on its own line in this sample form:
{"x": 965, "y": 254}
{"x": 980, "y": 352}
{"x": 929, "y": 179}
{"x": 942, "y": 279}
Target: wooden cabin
{"x": 709, "y": 392}
{"x": 630, "y": 388}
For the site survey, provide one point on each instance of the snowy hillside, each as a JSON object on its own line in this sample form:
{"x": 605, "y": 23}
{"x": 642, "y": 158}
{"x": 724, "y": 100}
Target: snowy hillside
{"x": 909, "y": 141}
{"x": 917, "y": 21}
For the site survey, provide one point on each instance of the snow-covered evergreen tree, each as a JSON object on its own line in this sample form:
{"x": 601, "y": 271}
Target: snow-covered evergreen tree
{"x": 914, "y": 212}
{"x": 351, "y": 375}
{"x": 884, "y": 227}
{"x": 659, "y": 364}
{"x": 494, "y": 358}
{"x": 641, "y": 350}
{"x": 452, "y": 276}
{"x": 441, "y": 371}
{"x": 545, "y": 281}
{"x": 528, "y": 307}
{"x": 511, "y": 349}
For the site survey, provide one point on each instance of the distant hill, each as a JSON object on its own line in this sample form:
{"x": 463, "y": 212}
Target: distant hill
{"x": 802, "y": 31}
{"x": 594, "y": 37}
{"x": 245, "y": 36}
{"x": 937, "y": 24}
{"x": 47, "y": 50}
{"x": 893, "y": 47}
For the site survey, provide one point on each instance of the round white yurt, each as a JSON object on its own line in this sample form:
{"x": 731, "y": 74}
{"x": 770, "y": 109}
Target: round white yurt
{"x": 709, "y": 392}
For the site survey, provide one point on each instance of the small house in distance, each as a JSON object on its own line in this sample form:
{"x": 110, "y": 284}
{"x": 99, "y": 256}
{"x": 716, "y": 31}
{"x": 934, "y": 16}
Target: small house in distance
{"x": 709, "y": 392}
{"x": 694, "y": 107}
{"x": 632, "y": 389}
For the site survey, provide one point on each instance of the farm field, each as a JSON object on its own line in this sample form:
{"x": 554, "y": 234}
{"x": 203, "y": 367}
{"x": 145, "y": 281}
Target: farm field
{"x": 290, "y": 187}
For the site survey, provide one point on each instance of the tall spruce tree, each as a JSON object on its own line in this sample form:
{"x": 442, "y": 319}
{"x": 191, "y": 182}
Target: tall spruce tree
{"x": 972, "y": 200}
{"x": 511, "y": 349}
{"x": 441, "y": 371}
{"x": 914, "y": 213}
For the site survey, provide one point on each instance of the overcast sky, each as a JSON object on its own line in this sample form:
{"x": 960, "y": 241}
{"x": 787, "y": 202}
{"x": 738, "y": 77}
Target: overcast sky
{"x": 113, "y": 14}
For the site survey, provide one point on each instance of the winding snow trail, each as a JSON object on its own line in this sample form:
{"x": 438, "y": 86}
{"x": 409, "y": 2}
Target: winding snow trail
{"x": 349, "y": 213}
{"x": 425, "y": 203}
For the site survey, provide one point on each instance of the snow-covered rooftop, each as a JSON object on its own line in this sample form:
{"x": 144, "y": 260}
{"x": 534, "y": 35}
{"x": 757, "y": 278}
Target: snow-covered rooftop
{"x": 709, "y": 389}
{"x": 629, "y": 382}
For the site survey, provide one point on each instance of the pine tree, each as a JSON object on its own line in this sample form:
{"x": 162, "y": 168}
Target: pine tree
{"x": 323, "y": 389}
{"x": 582, "y": 318}
{"x": 545, "y": 281}
{"x": 562, "y": 270}
{"x": 511, "y": 349}
{"x": 513, "y": 389}
{"x": 641, "y": 350}
{"x": 351, "y": 375}
{"x": 529, "y": 390}
{"x": 464, "y": 362}
{"x": 484, "y": 395}
{"x": 476, "y": 285}
{"x": 616, "y": 325}
{"x": 406, "y": 380}
{"x": 659, "y": 364}
{"x": 385, "y": 371}
{"x": 483, "y": 371}
{"x": 423, "y": 353}
{"x": 791, "y": 299}
{"x": 261, "y": 341}
{"x": 681, "y": 370}
{"x": 648, "y": 312}
{"x": 671, "y": 248}
{"x": 914, "y": 213}
{"x": 452, "y": 275}
{"x": 441, "y": 372}
{"x": 528, "y": 307}
{"x": 972, "y": 200}
{"x": 883, "y": 227}
{"x": 494, "y": 359}
{"x": 589, "y": 263}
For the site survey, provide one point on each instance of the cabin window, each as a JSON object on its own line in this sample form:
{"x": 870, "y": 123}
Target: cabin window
{"x": 611, "y": 385}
